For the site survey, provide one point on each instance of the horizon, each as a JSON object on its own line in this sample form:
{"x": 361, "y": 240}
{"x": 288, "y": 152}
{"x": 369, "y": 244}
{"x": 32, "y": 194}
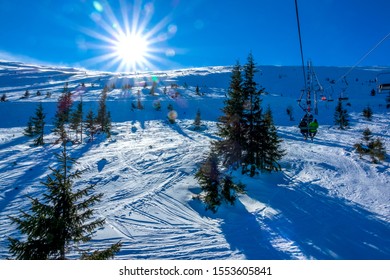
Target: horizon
{"x": 143, "y": 35}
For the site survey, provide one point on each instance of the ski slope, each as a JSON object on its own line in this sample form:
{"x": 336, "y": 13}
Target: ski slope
{"x": 327, "y": 203}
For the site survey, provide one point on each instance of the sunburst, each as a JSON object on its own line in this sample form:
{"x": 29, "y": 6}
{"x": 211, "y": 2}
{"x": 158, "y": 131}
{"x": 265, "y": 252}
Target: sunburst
{"x": 127, "y": 42}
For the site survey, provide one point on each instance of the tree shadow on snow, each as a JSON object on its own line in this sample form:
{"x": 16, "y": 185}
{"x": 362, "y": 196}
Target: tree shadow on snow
{"x": 242, "y": 231}
{"x": 324, "y": 226}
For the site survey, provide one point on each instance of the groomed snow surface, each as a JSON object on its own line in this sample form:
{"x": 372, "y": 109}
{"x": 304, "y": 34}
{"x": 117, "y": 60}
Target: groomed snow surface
{"x": 327, "y": 203}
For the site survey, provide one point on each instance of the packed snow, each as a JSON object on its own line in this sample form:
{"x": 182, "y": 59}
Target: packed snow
{"x": 326, "y": 203}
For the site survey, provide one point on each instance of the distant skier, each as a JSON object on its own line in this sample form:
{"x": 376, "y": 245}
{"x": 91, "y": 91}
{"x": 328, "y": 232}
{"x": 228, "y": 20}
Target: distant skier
{"x": 313, "y": 127}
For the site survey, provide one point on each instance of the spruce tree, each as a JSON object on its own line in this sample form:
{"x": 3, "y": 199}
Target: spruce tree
{"x": 101, "y": 118}
{"x": 29, "y": 131}
{"x": 290, "y": 113}
{"x": 231, "y": 125}
{"x": 217, "y": 187}
{"x": 377, "y": 150}
{"x": 90, "y": 124}
{"x": 36, "y": 126}
{"x": 253, "y": 119}
{"x": 367, "y": 113}
{"x": 61, "y": 117}
{"x": 38, "y": 122}
{"x": 208, "y": 177}
{"x": 76, "y": 121}
{"x": 197, "y": 91}
{"x": 61, "y": 220}
{"x": 271, "y": 144}
{"x": 64, "y": 106}
{"x": 374, "y": 148}
{"x": 341, "y": 117}
{"x": 197, "y": 121}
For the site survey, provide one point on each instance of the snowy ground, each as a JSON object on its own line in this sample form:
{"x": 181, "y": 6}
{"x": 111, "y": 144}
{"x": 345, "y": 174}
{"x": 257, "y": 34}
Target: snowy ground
{"x": 327, "y": 203}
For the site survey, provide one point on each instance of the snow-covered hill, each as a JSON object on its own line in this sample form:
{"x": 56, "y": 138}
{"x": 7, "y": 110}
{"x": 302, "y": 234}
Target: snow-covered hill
{"x": 327, "y": 203}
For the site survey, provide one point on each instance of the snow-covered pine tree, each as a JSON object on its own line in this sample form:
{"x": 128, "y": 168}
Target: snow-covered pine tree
{"x": 231, "y": 125}
{"x": 90, "y": 124}
{"x": 76, "y": 121}
{"x": 341, "y": 117}
{"x": 61, "y": 220}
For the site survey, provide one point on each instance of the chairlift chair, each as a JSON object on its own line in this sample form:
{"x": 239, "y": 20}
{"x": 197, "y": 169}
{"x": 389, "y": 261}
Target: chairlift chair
{"x": 383, "y": 85}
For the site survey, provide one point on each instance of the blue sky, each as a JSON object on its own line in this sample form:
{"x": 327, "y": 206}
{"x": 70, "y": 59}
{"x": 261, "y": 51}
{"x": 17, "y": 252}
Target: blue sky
{"x": 194, "y": 33}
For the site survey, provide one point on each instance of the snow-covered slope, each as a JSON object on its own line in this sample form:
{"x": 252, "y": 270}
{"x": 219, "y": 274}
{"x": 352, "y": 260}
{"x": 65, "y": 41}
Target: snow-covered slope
{"x": 327, "y": 203}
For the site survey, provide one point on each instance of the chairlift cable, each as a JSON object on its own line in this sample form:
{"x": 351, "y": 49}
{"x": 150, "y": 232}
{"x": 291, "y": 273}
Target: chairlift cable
{"x": 363, "y": 58}
{"x": 300, "y": 42}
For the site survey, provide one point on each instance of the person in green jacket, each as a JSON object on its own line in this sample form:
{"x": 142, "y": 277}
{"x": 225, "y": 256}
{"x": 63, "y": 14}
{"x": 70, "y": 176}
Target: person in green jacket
{"x": 313, "y": 126}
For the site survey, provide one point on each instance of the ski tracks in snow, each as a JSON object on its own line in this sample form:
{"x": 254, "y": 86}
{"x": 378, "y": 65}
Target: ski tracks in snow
{"x": 146, "y": 177}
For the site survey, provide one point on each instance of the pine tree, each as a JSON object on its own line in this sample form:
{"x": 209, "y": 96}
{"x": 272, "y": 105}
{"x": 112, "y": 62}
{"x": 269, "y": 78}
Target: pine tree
{"x": 76, "y": 121}
{"x": 208, "y": 178}
{"x": 36, "y": 126}
{"x": 26, "y": 94}
{"x": 38, "y": 122}
{"x": 377, "y": 150}
{"x": 231, "y": 124}
{"x": 90, "y": 124}
{"x": 64, "y": 106}
{"x": 29, "y": 131}
{"x": 197, "y": 121}
{"x": 217, "y": 187}
{"x": 371, "y": 147}
{"x": 197, "y": 91}
{"x": 253, "y": 119}
{"x": 271, "y": 144}
{"x": 61, "y": 220}
{"x": 290, "y": 113}
{"x": 61, "y": 117}
{"x": 341, "y": 117}
{"x": 103, "y": 118}
{"x": 367, "y": 113}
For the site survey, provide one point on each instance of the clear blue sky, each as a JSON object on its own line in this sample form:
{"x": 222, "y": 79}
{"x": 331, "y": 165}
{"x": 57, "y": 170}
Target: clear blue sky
{"x": 192, "y": 33}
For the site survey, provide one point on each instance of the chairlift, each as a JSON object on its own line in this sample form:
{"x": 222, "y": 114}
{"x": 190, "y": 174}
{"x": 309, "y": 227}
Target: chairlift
{"x": 383, "y": 85}
{"x": 343, "y": 96}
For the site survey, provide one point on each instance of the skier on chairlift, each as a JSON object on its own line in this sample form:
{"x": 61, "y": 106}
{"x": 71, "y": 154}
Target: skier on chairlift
{"x": 313, "y": 126}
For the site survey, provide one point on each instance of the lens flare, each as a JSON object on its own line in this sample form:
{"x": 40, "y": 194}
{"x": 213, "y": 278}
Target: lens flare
{"x": 130, "y": 42}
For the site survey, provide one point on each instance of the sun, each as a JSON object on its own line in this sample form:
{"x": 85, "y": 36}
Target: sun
{"x": 125, "y": 38}
{"x": 131, "y": 49}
